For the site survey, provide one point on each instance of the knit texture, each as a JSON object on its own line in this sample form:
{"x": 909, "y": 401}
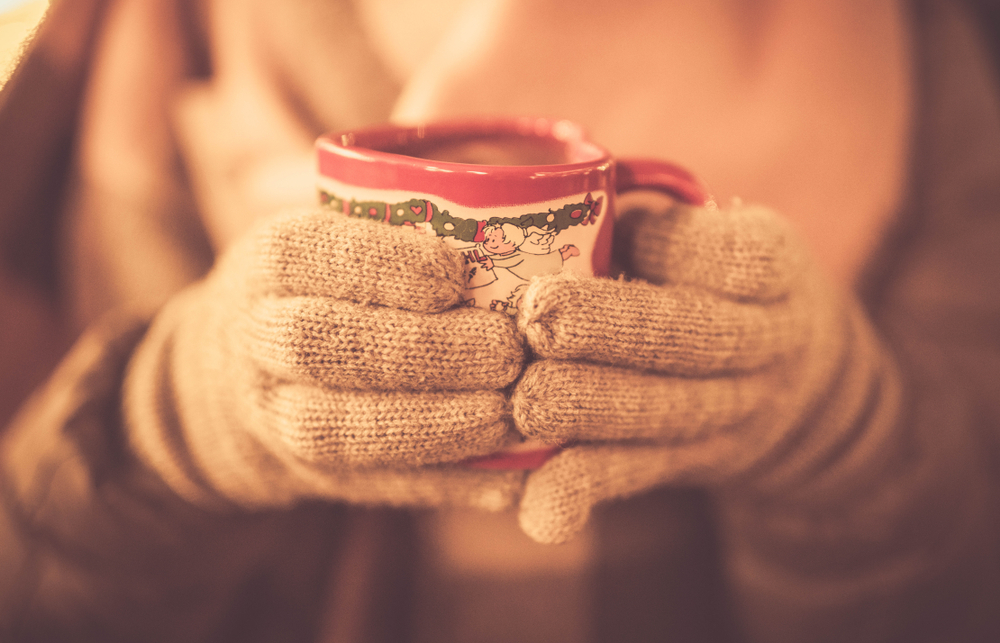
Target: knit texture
{"x": 729, "y": 363}
{"x": 323, "y": 357}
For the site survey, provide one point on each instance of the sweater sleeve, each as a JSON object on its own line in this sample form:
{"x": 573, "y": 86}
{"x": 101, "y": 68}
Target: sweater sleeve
{"x": 905, "y": 548}
{"x": 95, "y": 547}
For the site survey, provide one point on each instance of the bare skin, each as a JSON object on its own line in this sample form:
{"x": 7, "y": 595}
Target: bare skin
{"x": 800, "y": 105}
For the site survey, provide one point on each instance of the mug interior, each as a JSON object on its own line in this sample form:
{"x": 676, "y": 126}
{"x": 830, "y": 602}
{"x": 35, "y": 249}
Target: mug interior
{"x": 501, "y": 149}
{"x": 520, "y": 142}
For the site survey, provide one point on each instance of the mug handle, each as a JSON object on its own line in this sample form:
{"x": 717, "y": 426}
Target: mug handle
{"x": 667, "y": 178}
{"x": 663, "y": 177}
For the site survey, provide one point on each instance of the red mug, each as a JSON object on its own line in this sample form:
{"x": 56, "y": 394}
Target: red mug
{"x": 517, "y": 197}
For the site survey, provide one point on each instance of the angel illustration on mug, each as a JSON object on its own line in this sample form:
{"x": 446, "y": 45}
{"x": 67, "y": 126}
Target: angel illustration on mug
{"x": 509, "y": 255}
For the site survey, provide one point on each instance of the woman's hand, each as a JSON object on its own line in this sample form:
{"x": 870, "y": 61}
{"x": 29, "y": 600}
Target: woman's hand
{"x": 730, "y": 363}
{"x": 325, "y": 357}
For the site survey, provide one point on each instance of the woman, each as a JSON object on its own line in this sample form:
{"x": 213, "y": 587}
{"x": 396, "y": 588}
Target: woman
{"x": 840, "y": 454}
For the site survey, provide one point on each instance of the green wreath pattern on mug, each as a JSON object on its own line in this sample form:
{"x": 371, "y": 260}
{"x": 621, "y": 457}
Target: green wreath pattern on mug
{"x": 418, "y": 212}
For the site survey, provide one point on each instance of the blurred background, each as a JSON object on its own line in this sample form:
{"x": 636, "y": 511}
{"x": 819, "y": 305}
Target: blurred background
{"x": 18, "y": 19}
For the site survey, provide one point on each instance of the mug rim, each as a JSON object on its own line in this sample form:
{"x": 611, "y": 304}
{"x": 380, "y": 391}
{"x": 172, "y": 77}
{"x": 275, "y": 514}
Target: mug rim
{"x": 354, "y": 157}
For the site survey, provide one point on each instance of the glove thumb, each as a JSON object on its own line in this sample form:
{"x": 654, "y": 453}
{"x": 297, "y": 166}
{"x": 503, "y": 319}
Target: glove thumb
{"x": 556, "y": 503}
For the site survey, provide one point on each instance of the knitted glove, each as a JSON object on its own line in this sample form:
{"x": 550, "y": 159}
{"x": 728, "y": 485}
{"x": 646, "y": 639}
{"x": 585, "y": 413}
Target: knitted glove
{"x": 323, "y": 358}
{"x": 731, "y": 364}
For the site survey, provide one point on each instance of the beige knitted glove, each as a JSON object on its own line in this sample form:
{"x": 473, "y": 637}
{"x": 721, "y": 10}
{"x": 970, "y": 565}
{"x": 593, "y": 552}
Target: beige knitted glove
{"x": 732, "y": 364}
{"x": 323, "y": 357}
